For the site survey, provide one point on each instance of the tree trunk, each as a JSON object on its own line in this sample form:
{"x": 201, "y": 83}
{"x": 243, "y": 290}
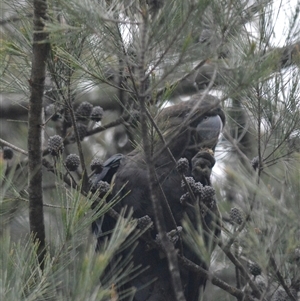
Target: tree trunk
{"x": 38, "y": 72}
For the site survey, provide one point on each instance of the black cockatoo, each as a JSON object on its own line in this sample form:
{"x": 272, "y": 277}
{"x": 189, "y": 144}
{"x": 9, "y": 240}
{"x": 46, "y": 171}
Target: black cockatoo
{"x": 188, "y": 128}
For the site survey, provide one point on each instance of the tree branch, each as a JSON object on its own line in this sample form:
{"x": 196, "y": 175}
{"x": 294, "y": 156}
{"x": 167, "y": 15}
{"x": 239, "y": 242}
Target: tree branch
{"x": 201, "y": 74}
{"x": 281, "y": 279}
{"x": 37, "y": 80}
{"x": 154, "y": 182}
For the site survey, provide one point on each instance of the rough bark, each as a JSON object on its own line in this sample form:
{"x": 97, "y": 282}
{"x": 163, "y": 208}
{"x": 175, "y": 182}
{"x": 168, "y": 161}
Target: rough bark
{"x": 36, "y": 82}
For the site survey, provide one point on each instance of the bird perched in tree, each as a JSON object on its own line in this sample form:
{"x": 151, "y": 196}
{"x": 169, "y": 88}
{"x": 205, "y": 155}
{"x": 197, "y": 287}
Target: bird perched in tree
{"x": 191, "y": 130}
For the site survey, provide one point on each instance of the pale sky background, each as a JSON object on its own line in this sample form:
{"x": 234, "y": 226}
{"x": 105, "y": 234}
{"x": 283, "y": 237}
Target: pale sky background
{"x": 283, "y": 10}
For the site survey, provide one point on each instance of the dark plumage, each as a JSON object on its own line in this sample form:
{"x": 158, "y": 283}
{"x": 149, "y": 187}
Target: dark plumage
{"x": 187, "y": 127}
{"x": 108, "y": 169}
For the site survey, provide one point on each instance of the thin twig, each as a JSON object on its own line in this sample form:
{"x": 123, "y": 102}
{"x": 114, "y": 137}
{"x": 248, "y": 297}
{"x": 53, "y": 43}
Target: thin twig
{"x": 280, "y": 278}
{"x": 214, "y": 279}
{"x": 232, "y": 258}
{"x": 122, "y": 119}
{"x": 237, "y": 271}
{"x": 70, "y": 175}
{"x": 154, "y": 187}
{"x": 20, "y": 150}
{"x": 82, "y": 161}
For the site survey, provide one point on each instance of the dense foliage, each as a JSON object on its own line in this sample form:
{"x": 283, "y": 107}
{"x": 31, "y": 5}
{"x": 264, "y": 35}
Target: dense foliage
{"x": 110, "y": 67}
